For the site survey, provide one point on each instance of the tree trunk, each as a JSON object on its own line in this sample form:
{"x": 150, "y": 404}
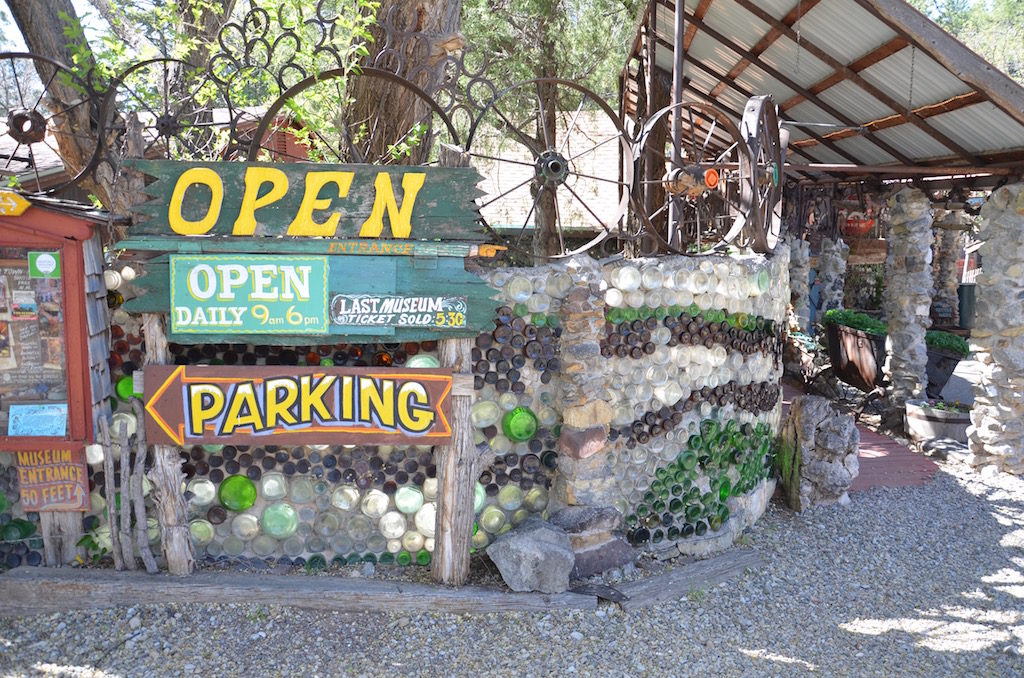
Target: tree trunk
{"x": 388, "y": 109}
{"x": 42, "y": 28}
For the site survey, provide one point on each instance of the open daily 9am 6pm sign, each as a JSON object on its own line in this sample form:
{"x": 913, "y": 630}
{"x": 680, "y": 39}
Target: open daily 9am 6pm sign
{"x": 190, "y": 405}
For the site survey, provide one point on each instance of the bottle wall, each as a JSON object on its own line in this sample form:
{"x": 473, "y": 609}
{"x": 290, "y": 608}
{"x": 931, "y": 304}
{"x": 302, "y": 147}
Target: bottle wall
{"x": 690, "y": 353}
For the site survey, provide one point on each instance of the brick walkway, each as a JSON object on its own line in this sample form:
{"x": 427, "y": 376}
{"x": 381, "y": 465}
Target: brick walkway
{"x": 883, "y": 461}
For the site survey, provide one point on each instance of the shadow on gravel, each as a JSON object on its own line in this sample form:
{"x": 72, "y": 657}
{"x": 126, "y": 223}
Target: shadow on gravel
{"x": 938, "y": 579}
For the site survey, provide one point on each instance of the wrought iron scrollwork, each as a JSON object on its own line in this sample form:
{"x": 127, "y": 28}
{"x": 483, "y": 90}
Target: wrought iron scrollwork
{"x": 204, "y": 112}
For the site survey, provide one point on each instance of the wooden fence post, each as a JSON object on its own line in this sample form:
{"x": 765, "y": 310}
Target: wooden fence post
{"x": 166, "y": 474}
{"x": 457, "y": 462}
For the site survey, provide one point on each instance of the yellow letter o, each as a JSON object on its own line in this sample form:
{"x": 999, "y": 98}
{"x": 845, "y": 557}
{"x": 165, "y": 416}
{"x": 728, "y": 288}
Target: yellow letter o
{"x": 196, "y": 175}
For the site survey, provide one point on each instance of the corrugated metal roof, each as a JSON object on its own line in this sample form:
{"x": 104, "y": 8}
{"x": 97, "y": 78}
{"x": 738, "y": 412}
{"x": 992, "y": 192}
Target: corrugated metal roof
{"x": 981, "y": 127}
{"x": 854, "y": 64}
{"x": 909, "y": 72}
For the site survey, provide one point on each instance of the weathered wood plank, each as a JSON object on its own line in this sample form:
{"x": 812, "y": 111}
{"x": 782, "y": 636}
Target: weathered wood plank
{"x": 679, "y": 581}
{"x": 422, "y": 203}
{"x": 357, "y": 246}
{"x": 40, "y": 590}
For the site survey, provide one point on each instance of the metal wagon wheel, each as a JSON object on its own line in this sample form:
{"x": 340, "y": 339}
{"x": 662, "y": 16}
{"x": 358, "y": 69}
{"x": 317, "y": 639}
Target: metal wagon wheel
{"x": 317, "y": 119}
{"x": 33, "y": 147}
{"x": 175, "y": 107}
{"x": 701, "y": 209}
{"x": 553, "y": 152}
{"x": 762, "y": 197}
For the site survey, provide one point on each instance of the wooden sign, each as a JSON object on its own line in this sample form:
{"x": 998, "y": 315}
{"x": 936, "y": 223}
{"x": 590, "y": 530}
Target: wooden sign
{"x": 53, "y": 479}
{"x": 304, "y": 200}
{"x": 297, "y": 406}
{"x": 248, "y": 294}
{"x": 413, "y": 283}
{"x": 12, "y": 204}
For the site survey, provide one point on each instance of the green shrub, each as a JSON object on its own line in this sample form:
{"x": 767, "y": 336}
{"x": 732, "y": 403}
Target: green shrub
{"x": 937, "y": 339}
{"x": 946, "y": 341}
{"x": 858, "y": 321}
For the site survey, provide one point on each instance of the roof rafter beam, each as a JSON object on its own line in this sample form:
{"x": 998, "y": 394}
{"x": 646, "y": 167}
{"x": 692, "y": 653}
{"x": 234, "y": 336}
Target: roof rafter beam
{"x": 796, "y": 87}
{"x": 847, "y": 73}
{"x": 956, "y": 57}
{"x": 952, "y": 104}
{"x": 868, "y": 60}
{"x": 768, "y": 39}
{"x": 748, "y": 94}
{"x": 691, "y": 30}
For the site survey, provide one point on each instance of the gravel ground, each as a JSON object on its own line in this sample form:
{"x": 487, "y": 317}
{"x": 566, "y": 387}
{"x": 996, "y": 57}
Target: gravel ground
{"x": 925, "y": 581}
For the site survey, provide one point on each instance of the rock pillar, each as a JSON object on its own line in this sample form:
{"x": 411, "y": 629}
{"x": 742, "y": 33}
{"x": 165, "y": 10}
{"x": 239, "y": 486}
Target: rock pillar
{"x": 908, "y": 294}
{"x": 947, "y": 252}
{"x": 799, "y": 285}
{"x": 831, "y": 274}
{"x": 997, "y": 432}
{"x": 583, "y": 478}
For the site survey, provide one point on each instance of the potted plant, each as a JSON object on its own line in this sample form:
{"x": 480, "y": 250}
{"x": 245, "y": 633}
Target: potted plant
{"x": 929, "y": 419}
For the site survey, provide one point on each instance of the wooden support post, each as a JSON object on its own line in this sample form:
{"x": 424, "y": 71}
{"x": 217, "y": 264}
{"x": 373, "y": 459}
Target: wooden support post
{"x": 61, "y": 532}
{"x": 125, "y": 523}
{"x": 457, "y": 472}
{"x": 141, "y": 524}
{"x": 166, "y": 477}
{"x": 457, "y": 467}
{"x": 108, "y": 486}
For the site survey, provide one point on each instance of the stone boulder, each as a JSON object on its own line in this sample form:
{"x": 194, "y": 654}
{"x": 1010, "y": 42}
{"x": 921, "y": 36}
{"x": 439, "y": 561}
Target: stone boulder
{"x": 593, "y": 536}
{"x": 535, "y": 556}
{"x": 817, "y": 458}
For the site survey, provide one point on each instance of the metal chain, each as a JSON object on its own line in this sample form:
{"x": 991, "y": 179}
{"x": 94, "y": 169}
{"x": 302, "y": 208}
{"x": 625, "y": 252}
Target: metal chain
{"x": 799, "y": 20}
{"x": 910, "y": 94}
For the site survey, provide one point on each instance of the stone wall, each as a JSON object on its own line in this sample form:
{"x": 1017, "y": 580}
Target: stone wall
{"x": 948, "y": 248}
{"x": 799, "y": 285}
{"x": 831, "y": 274}
{"x": 908, "y": 293}
{"x": 997, "y": 432}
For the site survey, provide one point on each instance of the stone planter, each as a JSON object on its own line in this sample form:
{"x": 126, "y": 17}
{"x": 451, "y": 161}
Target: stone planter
{"x": 940, "y": 368}
{"x": 924, "y": 422}
{"x": 857, "y": 357}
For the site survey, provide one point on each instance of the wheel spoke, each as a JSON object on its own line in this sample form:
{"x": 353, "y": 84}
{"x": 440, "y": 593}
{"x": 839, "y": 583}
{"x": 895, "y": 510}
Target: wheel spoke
{"x": 595, "y": 178}
{"x": 585, "y": 206}
{"x": 17, "y": 85}
{"x": 529, "y": 214}
{"x": 494, "y": 159}
{"x": 572, "y": 125}
{"x": 693, "y": 133}
{"x": 525, "y": 140}
{"x": 707, "y": 139}
{"x": 511, "y": 190}
{"x": 548, "y": 139}
{"x": 42, "y": 92}
{"x": 558, "y": 221}
{"x": 594, "y": 148}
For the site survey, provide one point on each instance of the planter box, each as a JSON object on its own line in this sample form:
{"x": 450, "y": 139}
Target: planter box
{"x": 857, "y": 357}
{"x": 924, "y": 422}
{"x": 940, "y": 368}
